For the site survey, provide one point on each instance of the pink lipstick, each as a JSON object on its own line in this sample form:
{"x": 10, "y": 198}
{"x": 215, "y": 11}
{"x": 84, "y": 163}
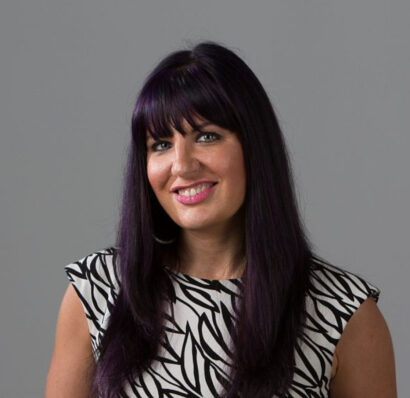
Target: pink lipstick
{"x": 199, "y": 197}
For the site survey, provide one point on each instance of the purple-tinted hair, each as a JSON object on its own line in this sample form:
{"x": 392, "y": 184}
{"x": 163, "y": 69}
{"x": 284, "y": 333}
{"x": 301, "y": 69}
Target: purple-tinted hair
{"x": 212, "y": 82}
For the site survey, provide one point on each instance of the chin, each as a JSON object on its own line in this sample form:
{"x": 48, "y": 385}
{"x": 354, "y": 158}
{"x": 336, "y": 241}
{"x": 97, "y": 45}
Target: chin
{"x": 195, "y": 225}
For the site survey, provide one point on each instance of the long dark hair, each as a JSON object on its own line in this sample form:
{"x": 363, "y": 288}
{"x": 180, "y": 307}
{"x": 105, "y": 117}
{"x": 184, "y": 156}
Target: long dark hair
{"x": 213, "y": 82}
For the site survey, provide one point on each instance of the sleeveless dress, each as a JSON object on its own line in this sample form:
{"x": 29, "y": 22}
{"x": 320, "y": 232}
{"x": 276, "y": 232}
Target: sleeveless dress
{"x": 195, "y": 353}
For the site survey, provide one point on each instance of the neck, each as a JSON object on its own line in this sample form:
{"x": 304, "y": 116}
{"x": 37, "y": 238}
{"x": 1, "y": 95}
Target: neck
{"x": 216, "y": 253}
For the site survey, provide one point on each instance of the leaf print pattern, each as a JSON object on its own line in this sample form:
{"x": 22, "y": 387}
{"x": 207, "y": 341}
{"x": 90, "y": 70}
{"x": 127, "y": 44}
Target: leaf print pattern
{"x": 195, "y": 355}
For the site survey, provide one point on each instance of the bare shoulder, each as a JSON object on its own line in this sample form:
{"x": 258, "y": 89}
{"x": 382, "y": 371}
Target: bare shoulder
{"x": 72, "y": 360}
{"x": 365, "y": 358}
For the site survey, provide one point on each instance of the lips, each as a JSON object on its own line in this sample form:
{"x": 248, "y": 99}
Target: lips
{"x": 177, "y": 188}
{"x": 196, "y": 198}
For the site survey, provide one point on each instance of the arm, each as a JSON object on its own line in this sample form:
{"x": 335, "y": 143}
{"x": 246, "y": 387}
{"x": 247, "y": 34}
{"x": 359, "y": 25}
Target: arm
{"x": 365, "y": 358}
{"x": 72, "y": 360}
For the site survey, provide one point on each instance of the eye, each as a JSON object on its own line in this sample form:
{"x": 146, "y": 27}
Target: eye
{"x": 156, "y": 144}
{"x": 214, "y": 135}
{"x": 155, "y": 147}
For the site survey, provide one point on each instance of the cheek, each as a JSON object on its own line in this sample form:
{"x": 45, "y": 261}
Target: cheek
{"x": 156, "y": 174}
{"x": 235, "y": 170}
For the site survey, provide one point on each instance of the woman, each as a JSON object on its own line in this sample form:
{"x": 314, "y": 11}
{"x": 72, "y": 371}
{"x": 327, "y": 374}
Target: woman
{"x": 212, "y": 288}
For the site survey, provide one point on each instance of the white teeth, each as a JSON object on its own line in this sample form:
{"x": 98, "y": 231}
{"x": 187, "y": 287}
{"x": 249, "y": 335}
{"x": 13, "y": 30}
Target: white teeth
{"x": 193, "y": 191}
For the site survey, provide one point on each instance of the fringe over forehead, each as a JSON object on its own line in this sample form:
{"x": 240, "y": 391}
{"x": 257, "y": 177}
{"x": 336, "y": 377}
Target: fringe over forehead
{"x": 183, "y": 87}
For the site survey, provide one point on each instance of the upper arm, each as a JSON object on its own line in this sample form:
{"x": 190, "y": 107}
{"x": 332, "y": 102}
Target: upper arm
{"x": 72, "y": 360}
{"x": 365, "y": 358}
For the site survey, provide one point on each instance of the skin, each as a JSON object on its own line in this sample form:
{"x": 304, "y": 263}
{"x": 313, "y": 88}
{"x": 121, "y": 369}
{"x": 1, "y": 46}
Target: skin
{"x": 72, "y": 360}
{"x": 365, "y": 364}
{"x": 212, "y": 230}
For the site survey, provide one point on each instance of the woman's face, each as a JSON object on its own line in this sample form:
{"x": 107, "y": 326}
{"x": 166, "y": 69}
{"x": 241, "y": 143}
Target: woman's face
{"x": 213, "y": 154}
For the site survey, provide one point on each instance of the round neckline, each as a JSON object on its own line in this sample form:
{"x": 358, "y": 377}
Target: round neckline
{"x": 200, "y": 279}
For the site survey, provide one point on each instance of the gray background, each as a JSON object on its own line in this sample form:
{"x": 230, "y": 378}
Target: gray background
{"x": 337, "y": 73}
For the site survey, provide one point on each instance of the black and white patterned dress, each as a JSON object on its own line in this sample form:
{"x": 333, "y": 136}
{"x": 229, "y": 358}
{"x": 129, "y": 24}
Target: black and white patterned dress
{"x": 195, "y": 354}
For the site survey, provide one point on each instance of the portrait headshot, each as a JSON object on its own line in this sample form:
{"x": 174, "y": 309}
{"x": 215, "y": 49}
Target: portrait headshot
{"x": 205, "y": 200}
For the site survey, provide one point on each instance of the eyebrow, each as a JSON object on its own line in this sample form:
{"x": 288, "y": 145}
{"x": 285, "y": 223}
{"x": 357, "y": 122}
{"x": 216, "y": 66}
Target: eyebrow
{"x": 199, "y": 126}
{"x": 203, "y": 124}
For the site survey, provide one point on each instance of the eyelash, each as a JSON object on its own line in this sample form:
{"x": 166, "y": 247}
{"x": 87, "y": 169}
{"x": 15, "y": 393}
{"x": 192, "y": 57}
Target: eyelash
{"x": 216, "y": 137}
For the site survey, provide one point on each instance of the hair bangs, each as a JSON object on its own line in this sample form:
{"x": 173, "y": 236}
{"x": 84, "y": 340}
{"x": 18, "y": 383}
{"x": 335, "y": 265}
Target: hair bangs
{"x": 186, "y": 93}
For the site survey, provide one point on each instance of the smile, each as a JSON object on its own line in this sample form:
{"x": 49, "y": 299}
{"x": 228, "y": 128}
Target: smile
{"x": 194, "y": 195}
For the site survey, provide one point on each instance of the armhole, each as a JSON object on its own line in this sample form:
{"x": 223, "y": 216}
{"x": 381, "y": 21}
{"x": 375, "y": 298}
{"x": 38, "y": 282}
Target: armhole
{"x": 359, "y": 290}
{"x": 337, "y": 294}
{"x": 90, "y": 278}
{"x": 373, "y": 292}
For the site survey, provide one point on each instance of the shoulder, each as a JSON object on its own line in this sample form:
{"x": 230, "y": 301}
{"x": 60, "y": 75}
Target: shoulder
{"x": 97, "y": 268}
{"x": 365, "y": 358}
{"x": 95, "y": 279}
{"x": 342, "y": 284}
{"x": 338, "y": 293}
{"x": 342, "y": 308}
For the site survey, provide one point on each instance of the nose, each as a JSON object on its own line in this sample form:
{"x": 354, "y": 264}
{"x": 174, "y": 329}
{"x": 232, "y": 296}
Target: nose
{"x": 185, "y": 160}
